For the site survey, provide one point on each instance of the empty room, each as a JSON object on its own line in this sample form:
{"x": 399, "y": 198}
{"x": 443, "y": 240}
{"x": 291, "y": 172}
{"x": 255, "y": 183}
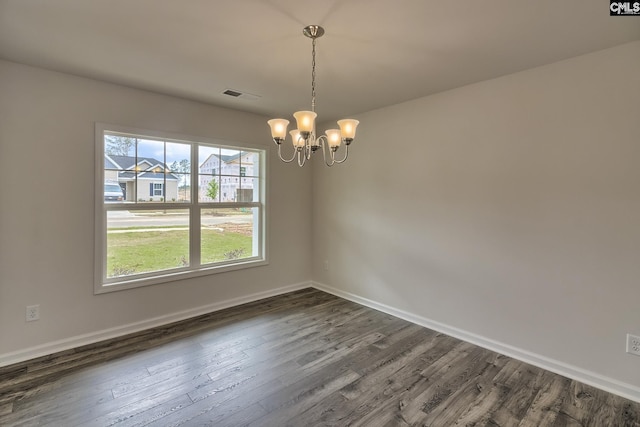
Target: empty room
{"x": 319, "y": 213}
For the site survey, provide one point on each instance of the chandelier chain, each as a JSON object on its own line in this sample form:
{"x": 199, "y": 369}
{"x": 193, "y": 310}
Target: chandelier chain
{"x": 313, "y": 75}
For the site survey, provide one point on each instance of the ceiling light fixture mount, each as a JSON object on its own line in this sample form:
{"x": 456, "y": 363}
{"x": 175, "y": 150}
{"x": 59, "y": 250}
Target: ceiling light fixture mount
{"x": 305, "y": 141}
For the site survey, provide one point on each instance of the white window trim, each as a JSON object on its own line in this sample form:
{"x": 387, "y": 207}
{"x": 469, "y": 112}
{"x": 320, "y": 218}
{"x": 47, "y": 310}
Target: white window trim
{"x": 102, "y": 285}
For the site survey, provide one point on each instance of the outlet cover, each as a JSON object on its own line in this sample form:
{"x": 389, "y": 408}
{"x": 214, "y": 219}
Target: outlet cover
{"x": 633, "y": 344}
{"x": 33, "y": 313}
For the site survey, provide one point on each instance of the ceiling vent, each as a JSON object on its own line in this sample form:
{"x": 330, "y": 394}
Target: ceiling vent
{"x": 240, "y": 95}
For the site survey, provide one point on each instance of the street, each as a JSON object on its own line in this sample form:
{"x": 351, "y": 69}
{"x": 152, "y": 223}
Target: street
{"x": 121, "y": 219}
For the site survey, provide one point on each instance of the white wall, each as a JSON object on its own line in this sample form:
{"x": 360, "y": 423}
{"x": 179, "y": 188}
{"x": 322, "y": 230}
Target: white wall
{"x": 46, "y": 208}
{"x": 519, "y": 218}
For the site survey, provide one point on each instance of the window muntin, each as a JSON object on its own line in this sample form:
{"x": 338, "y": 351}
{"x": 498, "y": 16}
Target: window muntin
{"x": 187, "y": 207}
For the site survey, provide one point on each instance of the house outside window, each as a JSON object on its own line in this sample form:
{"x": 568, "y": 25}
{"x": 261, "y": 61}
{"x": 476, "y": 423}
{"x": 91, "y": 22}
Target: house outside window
{"x": 184, "y": 210}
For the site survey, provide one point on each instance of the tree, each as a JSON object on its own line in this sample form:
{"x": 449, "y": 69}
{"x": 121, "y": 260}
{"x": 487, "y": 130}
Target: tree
{"x": 183, "y": 166}
{"x": 212, "y": 189}
{"x": 119, "y": 145}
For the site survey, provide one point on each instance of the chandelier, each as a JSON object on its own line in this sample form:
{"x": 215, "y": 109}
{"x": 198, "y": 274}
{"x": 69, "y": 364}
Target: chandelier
{"x": 305, "y": 141}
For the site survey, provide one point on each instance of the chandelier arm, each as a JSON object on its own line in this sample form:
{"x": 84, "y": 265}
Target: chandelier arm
{"x": 302, "y": 158}
{"x": 346, "y": 154}
{"x": 282, "y": 158}
{"x": 311, "y": 143}
{"x": 323, "y": 141}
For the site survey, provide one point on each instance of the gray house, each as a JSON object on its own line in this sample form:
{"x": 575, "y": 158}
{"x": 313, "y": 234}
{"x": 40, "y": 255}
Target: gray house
{"x": 142, "y": 178}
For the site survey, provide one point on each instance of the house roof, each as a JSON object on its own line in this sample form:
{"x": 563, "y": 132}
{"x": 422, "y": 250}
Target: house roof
{"x": 126, "y": 164}
{"x": 109, "y": 163}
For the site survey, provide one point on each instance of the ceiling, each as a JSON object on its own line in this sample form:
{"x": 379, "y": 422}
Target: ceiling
{"x": 374, "y": 53}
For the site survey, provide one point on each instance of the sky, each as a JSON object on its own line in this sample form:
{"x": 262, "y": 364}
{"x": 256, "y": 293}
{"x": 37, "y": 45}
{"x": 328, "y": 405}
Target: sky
{"x": 175, "y": 151}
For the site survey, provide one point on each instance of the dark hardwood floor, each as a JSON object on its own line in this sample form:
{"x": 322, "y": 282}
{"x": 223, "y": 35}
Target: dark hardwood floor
{"x": 306, "y": 358}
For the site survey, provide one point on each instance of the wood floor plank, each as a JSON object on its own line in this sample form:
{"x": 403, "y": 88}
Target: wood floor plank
{"x": 460, "y": 383}
{"x": 375, "y": 386}
{"x": 546, "y": 405}
{"x": 281, "y": 407}
{"x": 524, "y": 383}
{"x": 306, "y": 358}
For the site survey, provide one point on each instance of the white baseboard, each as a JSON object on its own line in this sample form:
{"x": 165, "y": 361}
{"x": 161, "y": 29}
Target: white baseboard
{"x": 610, "y": 385}
{"x": 93, "y": 337}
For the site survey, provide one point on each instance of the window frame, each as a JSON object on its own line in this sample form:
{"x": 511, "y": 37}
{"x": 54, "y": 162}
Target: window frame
{"x": 103, "y": 284}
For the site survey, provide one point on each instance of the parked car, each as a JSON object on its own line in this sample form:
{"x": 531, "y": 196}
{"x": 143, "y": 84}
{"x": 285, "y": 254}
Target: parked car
{"x": 113, "y": 193}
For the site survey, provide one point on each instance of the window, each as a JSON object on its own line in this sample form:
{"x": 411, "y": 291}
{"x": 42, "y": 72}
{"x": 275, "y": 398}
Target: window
{"x": 170, "y": 207}
{"x": 157, "y": 189}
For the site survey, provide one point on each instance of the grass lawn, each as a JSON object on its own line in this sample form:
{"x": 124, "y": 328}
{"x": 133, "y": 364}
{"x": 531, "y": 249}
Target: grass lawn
{"x": 145, "y": 251}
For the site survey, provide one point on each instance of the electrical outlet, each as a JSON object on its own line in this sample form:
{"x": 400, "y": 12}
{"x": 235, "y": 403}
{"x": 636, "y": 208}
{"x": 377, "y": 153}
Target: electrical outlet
{"x": 33, "y": 313}
{"x": 326, "y": 265}
{"x": 633, "y": 344}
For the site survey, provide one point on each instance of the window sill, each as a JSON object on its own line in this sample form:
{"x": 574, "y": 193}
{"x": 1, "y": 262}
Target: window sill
{"x": 173, "y": 275}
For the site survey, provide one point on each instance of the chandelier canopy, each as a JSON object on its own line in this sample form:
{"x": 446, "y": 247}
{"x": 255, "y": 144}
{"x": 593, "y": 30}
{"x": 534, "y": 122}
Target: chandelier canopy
{"x": 304, "y": 139}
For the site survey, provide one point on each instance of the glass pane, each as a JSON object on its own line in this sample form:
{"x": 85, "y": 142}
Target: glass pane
{"x": 209, "y": 168}
{"x": 250, "y": 163}
{"x": 229, "y": 186}
{"x": 146, "y": 241}
{"x": 229, "y": 234}
{"x": 150, "y": 154}
{"x": 119, "y": 164}
{"x": 208, "y": 159}
{"x": 178, "y": 187}
{"x": 245, "y": 193}
{"x": 209, "y": 189}
{"x": 250, "y": 190}
{"x": 230, "y": 161}
{"x": 178, "y": 173}
{"x": 150, "y": 171}
{"x": 115, "y": 149}
{"x": 119, "y": 146}
{"x": 179, "y": 157}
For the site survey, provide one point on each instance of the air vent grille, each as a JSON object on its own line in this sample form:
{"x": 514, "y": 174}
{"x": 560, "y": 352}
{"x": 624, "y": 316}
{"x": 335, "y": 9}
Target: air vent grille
{"x": 240, "y": 95}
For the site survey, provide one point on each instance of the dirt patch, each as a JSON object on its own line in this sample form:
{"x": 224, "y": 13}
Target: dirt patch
{"x": 244, "y": 229}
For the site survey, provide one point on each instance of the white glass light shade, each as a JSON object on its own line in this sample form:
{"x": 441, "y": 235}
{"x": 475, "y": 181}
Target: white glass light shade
{"x": 348, "y": 128}
{"x": 305, "y": 120}
{"x": 278, "y": 128}
{"x": 298, "y": 140}
{"x": 333, "y": 137}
